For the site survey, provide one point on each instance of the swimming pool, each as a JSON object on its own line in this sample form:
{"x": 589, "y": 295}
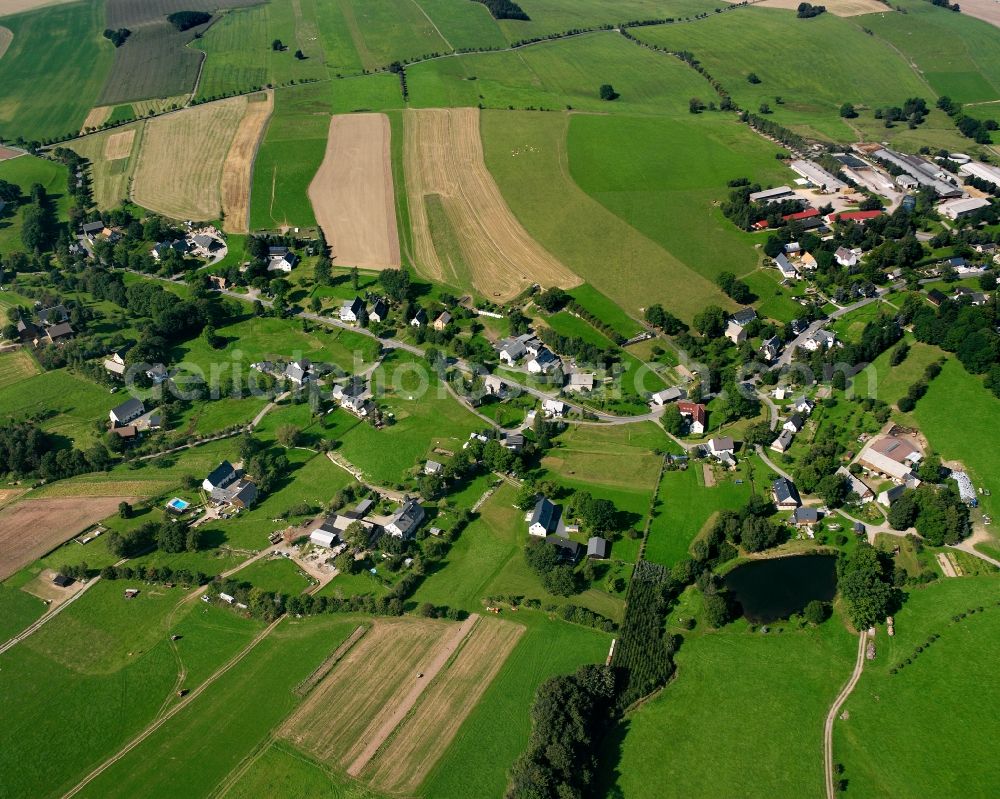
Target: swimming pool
{"x": 178, "y": 504}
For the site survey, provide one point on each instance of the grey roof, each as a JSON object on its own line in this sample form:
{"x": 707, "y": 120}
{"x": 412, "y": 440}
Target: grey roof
{"x": 380, "y": 309}
{"x": 513, "y": 348}
{"x": 444, "y": 318}
{"x": 356, "y": 306}
{"x": 49, "y": 316}
{"x": 545, "y": 357}
{"x": 277, "y": 251}
{"x": 247, "y": 493}
{"x": 222, "y": 474}
{"x": 298, "y": 370}
{"x": 408, "y": 516}
{"x": 420, "y": 317}
{"x": 744, "y": 316}
{"x": 805, "y": 515}
{"x": 546, "y": 513}
{"x": 567, "y": 549}
{"x": 785, "y": 491}
{"x": 796, "y": 420}
{"x": 93, "y": 227}
{"x": 129, "y": 409}
{"x": 784, "y": 263}
{"x": 597, "y": 547}
{"x": 60, "y": 330}
{"x": 363, "y": 507}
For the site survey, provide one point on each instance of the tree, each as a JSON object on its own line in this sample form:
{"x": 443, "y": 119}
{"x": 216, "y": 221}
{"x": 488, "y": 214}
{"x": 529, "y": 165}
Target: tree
{"x": 764, "y": 108}
{"x": 322, "y": 272}
{"x": 355, "y": 278}
{"x": 124, "y": 510}
{"x": 356, "y": 535}
{"x": 287, "y": 435}
{"x": 711, "y": 322}
{"x": 752, "y": 78}
{"x": 865, "y": 584}
{"x": 345, "y": 563}
{"x": 833, "y": 490}
{"x": 672, "y": 420}
{"x": 608, "y": 92}
{"x": 300, "y": 55}
{"x": 277, "y": 46}
{"x": 717, "y": 610}
{"x": 816, "y": 612}
{"x": 847, "y": 111}
{"x": 695, "y": 105}
{"x": 903, "y": 512}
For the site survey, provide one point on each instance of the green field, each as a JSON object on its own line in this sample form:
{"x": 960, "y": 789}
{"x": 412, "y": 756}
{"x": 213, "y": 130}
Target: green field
{"x": 389, "y": 30}
{"x": 464, "y": 24}
{"x": 18, "y": 609}
{"x": 15, "y": 367}
{"x": 759, "y": 699}
{"x": 895, "y": 741}
{"x": 25, "y": 171}
{"x": 91, "y": 678}
{"x": 668, "y": 181}
{"x": 577, "y": 229}
{"x": 53, "y": 70}
{"x": 683, "y": 508}
{"x": 275, "y": 574}
{"x": 774, "y": 300}
{"x": 605, "y": 310}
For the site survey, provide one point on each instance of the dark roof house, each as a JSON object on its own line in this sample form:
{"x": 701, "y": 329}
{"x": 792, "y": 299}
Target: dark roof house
{"x": 544, "y": 518}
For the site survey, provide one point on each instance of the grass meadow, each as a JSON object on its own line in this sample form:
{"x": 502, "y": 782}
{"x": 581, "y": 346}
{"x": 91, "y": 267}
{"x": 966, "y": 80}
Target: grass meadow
{"x": 605, "y": 310}
{"x": 390, "y": 30}
{"x": 25, "y": 171}
{"x": 249, "y": 701}
{"x": 756, "y": 700}
{"x": 18, "y": 609}
{"x": 53, "y": 71}
{"x": 91, "y": 678}
{"x": 927, "y": 730}
{"x": 526, "y": 153}
{"x": 110, "y": 178}
{"x": 17, "y": 366}
{"x": 668, "y": 182}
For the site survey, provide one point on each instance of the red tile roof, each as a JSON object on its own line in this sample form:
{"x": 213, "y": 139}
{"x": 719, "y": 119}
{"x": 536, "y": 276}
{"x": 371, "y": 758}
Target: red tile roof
{"x": 761, "y": 224}
{"x": 855, "y": 216}
{"x": 809, "y": 212}
{"x": 693, "y": 409}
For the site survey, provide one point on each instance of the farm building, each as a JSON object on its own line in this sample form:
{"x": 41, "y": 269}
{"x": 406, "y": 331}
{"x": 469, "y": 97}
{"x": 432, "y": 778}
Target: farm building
{"x": 817, "y": 176}
{"x": 544, "y": 518}
{"x": 352, "y": 310}
{"x": 598, "y": 548}
{"x": 775, "y": 195}
{"x": 785, "y": 494}
{"x": 221, "y": 476}
{"x": 406, "y": 519}
{"x": 956, "y": 209}
{"x": 568, "y": 551}
{"x": 668, "y": 395}
{"x": 123, "y": 414}
{"x": 580, "y": 381}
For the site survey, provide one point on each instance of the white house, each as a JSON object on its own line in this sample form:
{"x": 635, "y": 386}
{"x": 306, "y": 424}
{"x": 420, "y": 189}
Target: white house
{"x": 804, "y": 405}
{"x": 553, "y": 408}
{"x": 405, "y": 521}
{"x": 783, "y": 442}
{"x": 846, "y": 257}
{"x": 433, "y": 467}
{"x": 735, "y": 332}
{"x": 126, "y": 412}
{"x": 580, "y": 381}
{"x": 352, "y": 310}
{"x": 544, "y": 518}
{"x": 821, "y": 339}
{"x": 544, "y": 362}
{"x": 665, "y": 397}
{"x": 793, "y": 424}
{"x": 281, "y": 259}
{"x": 221, "y": 476}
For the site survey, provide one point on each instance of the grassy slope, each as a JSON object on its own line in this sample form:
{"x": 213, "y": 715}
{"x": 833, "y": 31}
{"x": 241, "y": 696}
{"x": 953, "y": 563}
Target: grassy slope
{"x": 25, "y": 171}
{"x": 669, "y": 180}
{"x": 743, "y": 717}
{"x": 464, "y": 24}
{"x": 608, "y": 253}
{"x": 927, "y": 730}
{"x": 53, "y": 71}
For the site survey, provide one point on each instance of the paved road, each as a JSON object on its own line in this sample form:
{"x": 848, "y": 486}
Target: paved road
{"x": 859, "y": 665}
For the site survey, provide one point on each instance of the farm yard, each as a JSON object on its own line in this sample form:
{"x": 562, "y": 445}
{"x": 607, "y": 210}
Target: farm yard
{"x": 31, "y": 527}
{"x": 444, "y": 160}
{"x": 352, "y": 193}
{"x": 182, "y": 158}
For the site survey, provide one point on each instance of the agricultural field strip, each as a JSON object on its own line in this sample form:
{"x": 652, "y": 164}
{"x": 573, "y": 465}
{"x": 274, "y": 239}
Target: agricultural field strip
{"x": 324, "y": 668}
{"x": 181, "y": 705}
{"x": 237, "y": 171}
{"x": 441, "y": 656}
{"x": 412, "y": 751}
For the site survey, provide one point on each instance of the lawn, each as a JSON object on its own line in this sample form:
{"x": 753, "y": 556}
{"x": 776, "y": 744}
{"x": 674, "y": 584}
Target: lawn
{"x": 275, "y": 574}
{"x": 53, "y": 71}
{"x": 684, "y": 507}
{"x": 760, "y": 699}
{"x": 892, "y": 382}
{"x": 669, "y": 181}
{"x": 774, "y": 300}
{"x": 527, "y": 155}
{"x": 248, "y": 701}
{"x": 497, "y": 730}
{"x": 107, "y": 664}
{"x": 895, "y": 742}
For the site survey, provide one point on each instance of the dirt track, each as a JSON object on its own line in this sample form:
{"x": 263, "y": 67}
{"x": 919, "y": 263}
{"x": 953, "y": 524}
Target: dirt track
{"x": 352, "y": 193}
{"x": 238, "y": 169}
{"x": 32, "y": 527}
{"x": 445, "y": 166}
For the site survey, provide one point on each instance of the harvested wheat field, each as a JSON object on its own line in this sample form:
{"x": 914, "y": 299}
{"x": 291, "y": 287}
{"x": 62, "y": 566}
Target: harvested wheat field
{"x": 8, "y": 7}
{"x": 96, "y": 117}
{"x": 119, "y": 145}
{"x": 352, "y": 194}
{"x": 349, "y": 715}
{"x": 463, "y": 231}
{"x": 180, "y": 163}
{"x": 418, "y": 743}
{"x": 32, "y": 527}
{"x": 237, "y": 172}
{"x": 986, "y": 10}
{"x": 840, "y": 8}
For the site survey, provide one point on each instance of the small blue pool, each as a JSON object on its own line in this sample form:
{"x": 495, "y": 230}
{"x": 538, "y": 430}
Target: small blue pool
{"x": 178, "y": 504}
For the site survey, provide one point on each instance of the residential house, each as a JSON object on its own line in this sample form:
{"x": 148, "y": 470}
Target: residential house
{"x": 493, "y": 386}
{"x": 221, "y": 476}
{"x": 513, "y": 441}
{"x": 54, "y": 315}
{"x": 721, "y": 445}
{"x": 804, "y": 405}
{"x": 890, "y": 495}
{"x": 743, "y": 316}
{"x": 91, "y": 230}
{"x": 856, "y": 485}
{"x": 735, "y": 332}
{"x": 936, "y": 297}
{"x": 27, "y": 331}
{"x": 665, "y": 397}
{"x": 433, "y": 467}
{"x": 793, "y": 424}
{"x": 553, "y": 408}
{"x": 785, "y": 267}
{"x": 846, "y": 257}
{"x": 299, "y": 372}
{"x": 792, "y": 248}
{"x": 783, "y": 441}
{"x": 544, "y": 518}
{"x": 568, "y": 551}
{"x": 244, "y": 494}
{"x": 406, "y": 519}
{"x": 60, "y": 332}
{"x": 822, "y": 339}
{"x": 598, "y": 548}
{"x": 442, "y": 321}
{"x": 207, "y": 244}
{"x": 157, "y": 373}
{"x": 511, "y": 351}
{"x": 805, "y": 517}
{"x": 785, "y": 494}
{"x": 379, "y": 311}
{"x": 123, "y": 414}
{"x": 419, "y": 318}
{"x": 771, "y": 348}
{"x": 808, "y": 261}
{"x": 696, "y": 414}
{"x": 163, "y": 248}
{"x": 352, "y": 310}
{"x": 544, "y": 362}
{"x": 115, "y": 363}
{"x": 798, "y": 326}
{"x": 580, "y": 381}
{"x": 281, "y": 259}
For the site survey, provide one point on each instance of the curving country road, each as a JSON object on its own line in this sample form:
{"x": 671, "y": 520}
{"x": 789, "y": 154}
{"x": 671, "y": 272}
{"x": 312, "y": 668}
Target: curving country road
{"x": 859, "y": 665}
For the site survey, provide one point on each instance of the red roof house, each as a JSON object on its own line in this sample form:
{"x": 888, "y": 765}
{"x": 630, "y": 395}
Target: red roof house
{"x": 807, "y": 214}
{"x": 853, "y": 216}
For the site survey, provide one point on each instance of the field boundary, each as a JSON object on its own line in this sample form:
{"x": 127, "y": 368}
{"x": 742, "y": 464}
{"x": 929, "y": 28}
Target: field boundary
{"x": 324, "y": 668}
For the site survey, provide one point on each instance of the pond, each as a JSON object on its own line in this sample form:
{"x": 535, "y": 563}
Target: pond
{"x": 778, "y": 587}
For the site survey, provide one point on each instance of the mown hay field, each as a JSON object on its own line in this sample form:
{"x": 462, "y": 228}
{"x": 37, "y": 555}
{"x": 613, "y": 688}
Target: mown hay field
{"x": 32, "y": 527}
{"x": 16, "y": 366}
{"x": 237, "y": 172}
{"x": 352, "y": 193}
{"x": 444, "y": 159}
{"x": 113, "y": 155}
{"x": 182, "y": 157}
